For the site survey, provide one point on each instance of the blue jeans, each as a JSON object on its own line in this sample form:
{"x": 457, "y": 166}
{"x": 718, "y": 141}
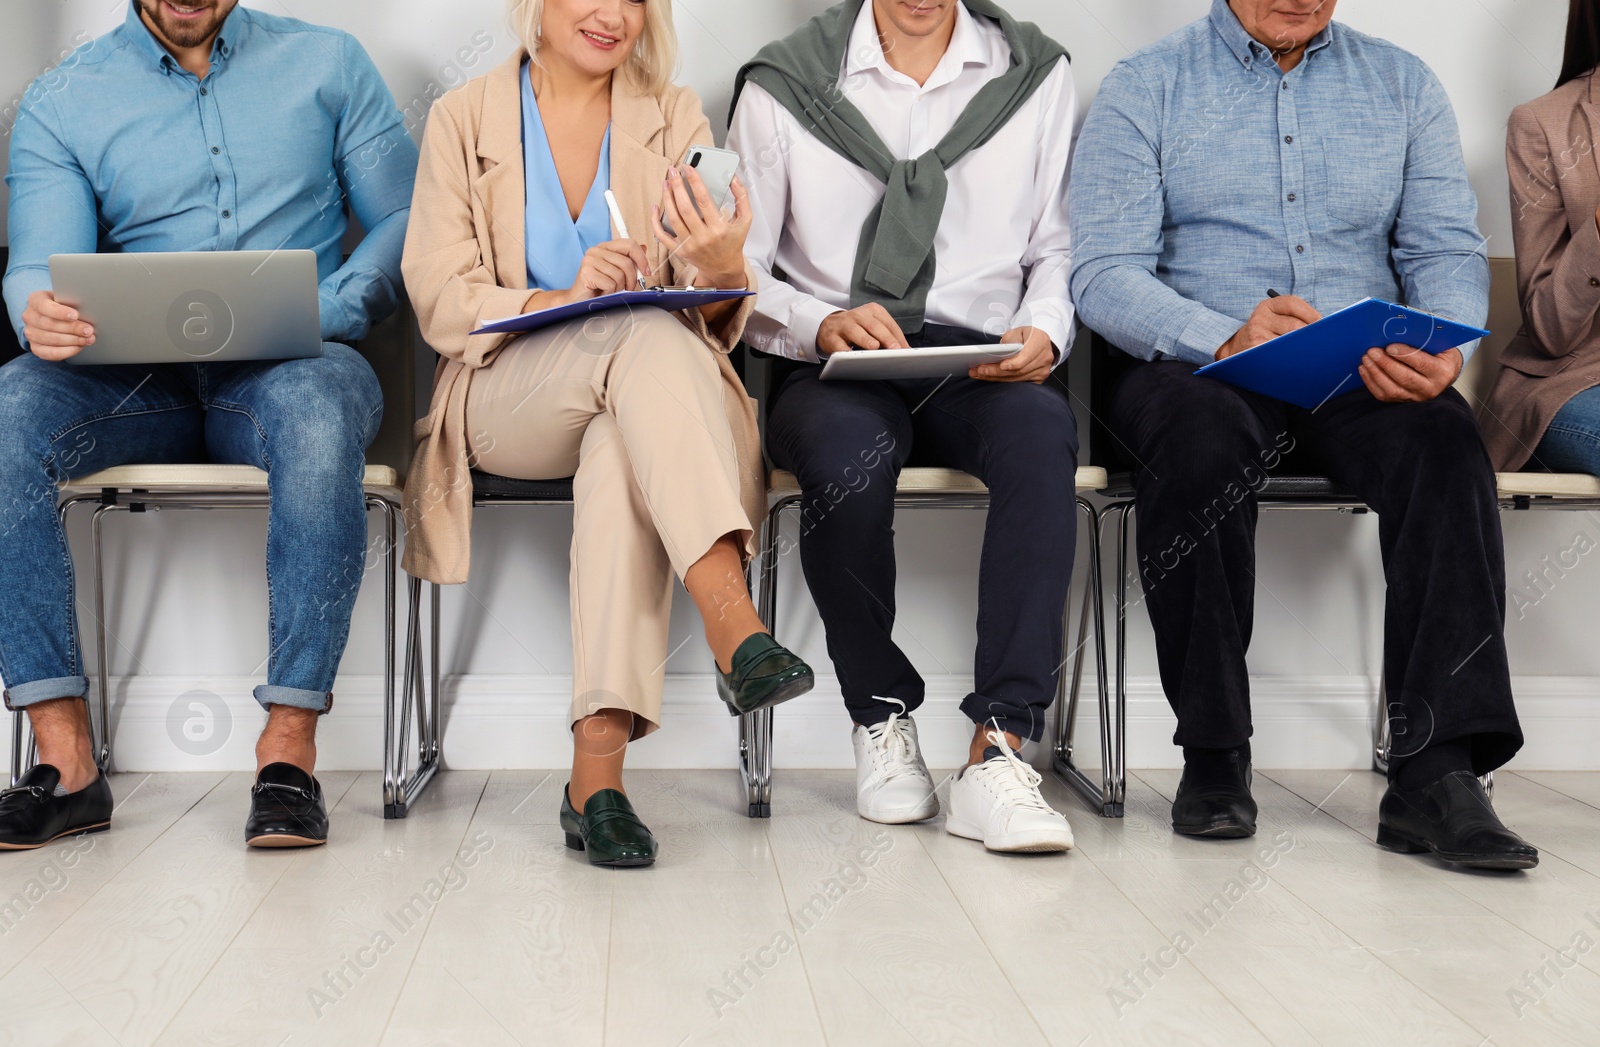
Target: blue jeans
{"x": 306, "y": 422}
{"x": 1572, "y": 443}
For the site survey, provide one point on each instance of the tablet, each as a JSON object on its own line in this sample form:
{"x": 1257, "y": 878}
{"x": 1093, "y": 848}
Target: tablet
{"x": 933, "y": 362}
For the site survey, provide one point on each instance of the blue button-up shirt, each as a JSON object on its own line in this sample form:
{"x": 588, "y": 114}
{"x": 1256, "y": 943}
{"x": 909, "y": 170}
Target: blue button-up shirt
{"x": 1205, "y": 175}
{"x": 121, "y": 149}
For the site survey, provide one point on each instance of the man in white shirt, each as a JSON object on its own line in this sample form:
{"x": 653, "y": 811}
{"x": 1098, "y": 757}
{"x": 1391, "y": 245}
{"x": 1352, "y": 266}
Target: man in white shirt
{"x": 921, "y": 200}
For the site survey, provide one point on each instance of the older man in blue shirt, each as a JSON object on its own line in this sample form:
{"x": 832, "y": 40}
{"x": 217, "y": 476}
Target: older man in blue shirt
{"x": 196, "y": 127}
{"x": 1266, "y": 148}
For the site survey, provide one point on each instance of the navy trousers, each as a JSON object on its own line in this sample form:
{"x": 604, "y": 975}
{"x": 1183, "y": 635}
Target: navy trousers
{"x": 848, "y": 441}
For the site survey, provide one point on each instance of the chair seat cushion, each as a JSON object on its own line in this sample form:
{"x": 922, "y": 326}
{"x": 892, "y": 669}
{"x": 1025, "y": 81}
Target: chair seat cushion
{"x": 931, "y": 481}
{"x": 206, "y": 477}
{"x": 488, "y": 487}
{"x": 1548, "y": 485}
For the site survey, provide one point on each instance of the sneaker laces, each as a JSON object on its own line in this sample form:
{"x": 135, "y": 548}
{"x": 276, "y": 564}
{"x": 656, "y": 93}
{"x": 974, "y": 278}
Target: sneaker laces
{"x": 1021, "y": 785}
{"x": 892, "y": 741}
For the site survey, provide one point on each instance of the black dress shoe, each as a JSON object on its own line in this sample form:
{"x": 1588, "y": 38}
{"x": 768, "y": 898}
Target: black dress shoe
{"x": 32, "y": 815}
{"x": 608, "y": 830}
{"x": 1214, "y": 799}
{"x": 286, "y": 809}
{"x": 1453, "y": 819}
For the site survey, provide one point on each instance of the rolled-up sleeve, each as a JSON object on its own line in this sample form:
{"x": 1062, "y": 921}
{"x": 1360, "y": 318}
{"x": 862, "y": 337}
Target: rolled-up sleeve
{"x": 52, "y": 210}
{"x": 1117, "y": 218}
{"x": 377, "y": 172}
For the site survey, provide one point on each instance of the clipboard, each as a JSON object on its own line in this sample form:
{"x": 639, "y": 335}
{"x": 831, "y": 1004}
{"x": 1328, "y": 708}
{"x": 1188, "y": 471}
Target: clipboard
{"x": 671, "y": 299}
{"x": 1311, "y": 366}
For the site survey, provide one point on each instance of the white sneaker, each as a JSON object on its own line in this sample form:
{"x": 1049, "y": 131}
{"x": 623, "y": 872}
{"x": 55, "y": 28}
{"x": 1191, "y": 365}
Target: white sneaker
{"x": 892, "y": 781}
{"x": 998, "y": 802}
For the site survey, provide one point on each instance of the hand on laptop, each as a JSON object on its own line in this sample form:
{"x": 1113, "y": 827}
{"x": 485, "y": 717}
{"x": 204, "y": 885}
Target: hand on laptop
{"x": 1401, "y": 374}
{"x": 865, "y": 327}
{"x": 1032, "y": 364}
{"x": 1272, "y": 317}
{"x": 53, "y": 330}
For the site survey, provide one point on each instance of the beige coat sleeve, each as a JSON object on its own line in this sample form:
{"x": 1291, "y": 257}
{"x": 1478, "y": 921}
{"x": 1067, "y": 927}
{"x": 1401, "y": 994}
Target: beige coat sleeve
{"x": 452, "y": 285}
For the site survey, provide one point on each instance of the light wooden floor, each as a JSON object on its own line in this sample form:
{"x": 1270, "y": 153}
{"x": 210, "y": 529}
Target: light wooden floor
{"x": 471, "y": 924}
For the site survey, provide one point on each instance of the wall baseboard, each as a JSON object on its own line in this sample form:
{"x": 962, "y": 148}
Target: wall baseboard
{"x": 172, "y": 723}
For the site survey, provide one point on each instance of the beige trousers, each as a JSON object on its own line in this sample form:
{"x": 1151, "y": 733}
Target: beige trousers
{"x": 630, "y": 405}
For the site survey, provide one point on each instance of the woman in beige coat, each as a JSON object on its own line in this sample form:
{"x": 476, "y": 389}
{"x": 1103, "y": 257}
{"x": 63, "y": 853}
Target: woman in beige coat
{"x": 1545, "y": 409}
{"x": 640, "y": 407}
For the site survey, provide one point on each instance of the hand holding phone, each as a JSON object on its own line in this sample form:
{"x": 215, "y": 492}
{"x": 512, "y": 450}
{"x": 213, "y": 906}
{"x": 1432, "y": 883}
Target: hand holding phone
{"x": 696, "y": 228}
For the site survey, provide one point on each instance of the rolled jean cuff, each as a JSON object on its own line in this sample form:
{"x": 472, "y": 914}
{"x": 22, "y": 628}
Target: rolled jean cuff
{"x": 26, "y": 694}
{"x": 1026, "y": 723}
{"x": 294, "y": 697}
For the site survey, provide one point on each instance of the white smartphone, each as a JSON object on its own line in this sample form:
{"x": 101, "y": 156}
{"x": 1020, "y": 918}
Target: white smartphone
{"x": 717, "y": 168}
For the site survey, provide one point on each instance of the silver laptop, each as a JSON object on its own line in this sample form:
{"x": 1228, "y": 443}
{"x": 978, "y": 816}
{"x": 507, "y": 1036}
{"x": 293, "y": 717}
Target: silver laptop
{"x": 193, "y": 306}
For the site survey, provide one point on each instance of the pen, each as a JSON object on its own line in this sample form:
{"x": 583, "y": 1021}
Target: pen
{"x": 1270, "y": 292}
{"x": 622, "y": 227}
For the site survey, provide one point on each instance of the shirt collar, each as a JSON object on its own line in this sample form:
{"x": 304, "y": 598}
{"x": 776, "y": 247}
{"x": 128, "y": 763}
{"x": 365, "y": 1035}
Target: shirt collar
{"x": 234, "y": 29}
{"x": 1246, "y": 48}
{"x": 865, "y": 50}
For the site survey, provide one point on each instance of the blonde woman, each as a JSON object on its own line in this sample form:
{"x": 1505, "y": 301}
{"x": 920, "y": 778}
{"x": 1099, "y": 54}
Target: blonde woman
{"x": 642, "y": 408}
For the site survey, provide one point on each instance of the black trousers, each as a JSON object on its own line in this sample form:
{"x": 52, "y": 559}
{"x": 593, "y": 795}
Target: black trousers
{"x": 848, "y": 441}
{"x": 1204, "y": 449}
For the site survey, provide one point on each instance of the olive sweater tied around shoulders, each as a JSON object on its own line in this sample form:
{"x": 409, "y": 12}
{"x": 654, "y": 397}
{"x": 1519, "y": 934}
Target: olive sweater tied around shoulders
{"x": 895, "y": 261}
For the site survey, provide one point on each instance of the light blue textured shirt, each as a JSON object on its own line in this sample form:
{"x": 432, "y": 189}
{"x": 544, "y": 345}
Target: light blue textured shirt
{"x": 556, "y": 244}
{"x": 121, "y": 149}
{"x": 1205, "y": 175}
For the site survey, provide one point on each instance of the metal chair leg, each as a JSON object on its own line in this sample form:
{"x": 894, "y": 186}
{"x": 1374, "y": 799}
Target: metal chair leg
{"x": 755, "y": 729}
{"x": 102, "y": 669}
{"x": 1107, "y": 794}
{"x": 1382, "y": 730}
{"x": 402, "y": 786}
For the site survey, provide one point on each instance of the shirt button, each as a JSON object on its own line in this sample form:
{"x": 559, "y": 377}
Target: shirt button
{"x": 1594, "y": 281}
{"x": 1291, "y": 198}
{"x": 215, "y": 151}
{"x": 1298, "y": 248}
{"x": 204, "y": 91}
{"x": 1288, "y": 139}
{"x": 227, "y": 214}
{"x": 1286, "y": 85}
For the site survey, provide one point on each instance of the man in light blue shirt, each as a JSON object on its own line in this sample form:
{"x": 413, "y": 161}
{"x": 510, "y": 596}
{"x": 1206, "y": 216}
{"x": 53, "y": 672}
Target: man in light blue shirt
{"x": 1265, "y": 149}
{"x": 200, "y": 126}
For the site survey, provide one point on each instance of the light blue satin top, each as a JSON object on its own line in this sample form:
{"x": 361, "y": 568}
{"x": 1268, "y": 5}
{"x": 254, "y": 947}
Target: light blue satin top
{"x": 556, "y": 244}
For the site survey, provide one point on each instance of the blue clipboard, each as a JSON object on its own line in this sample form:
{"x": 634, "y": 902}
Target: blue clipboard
{"x": 671, "y": 299}
{"x": 1311, "y": 366}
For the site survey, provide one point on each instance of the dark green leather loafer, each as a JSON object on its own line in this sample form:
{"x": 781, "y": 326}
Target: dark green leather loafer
{"x": 608, "y": 830}
{"x": 764, "y": 674}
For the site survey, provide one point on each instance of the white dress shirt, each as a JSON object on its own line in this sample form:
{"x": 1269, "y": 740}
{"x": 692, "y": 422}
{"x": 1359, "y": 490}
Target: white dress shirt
{"x": 1003, "y": 250}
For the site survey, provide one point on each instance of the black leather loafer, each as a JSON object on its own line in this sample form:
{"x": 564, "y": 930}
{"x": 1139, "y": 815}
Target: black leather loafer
{"x": 286, "y": 809}
{"x": 1453, "y": 819}
{"x": 1220, "y": 806}
{"x": 764, "y": 673}
{"x": 607, "y": 830}
{"x": 32, "y": 815}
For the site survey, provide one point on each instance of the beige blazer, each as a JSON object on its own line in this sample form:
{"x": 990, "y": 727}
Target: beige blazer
{"x": 466, "y": 265}
{"x": 1555, "y": 190}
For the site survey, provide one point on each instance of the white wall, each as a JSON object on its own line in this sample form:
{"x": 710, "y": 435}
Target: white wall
{"x": 189, "y": 607}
